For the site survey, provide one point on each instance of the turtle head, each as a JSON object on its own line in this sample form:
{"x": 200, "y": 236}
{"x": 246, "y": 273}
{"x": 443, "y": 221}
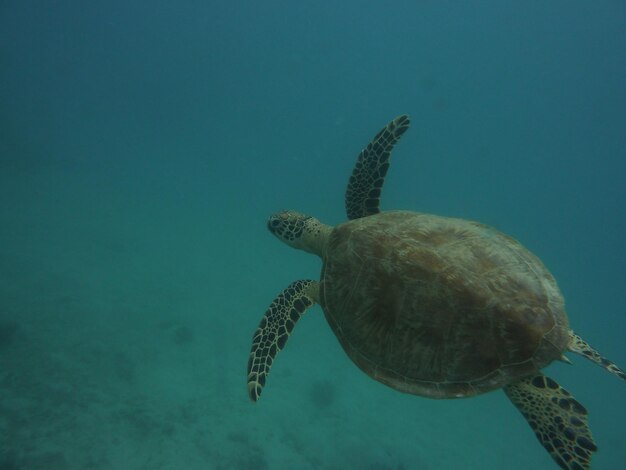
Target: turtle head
{"x": 300, "y": 231}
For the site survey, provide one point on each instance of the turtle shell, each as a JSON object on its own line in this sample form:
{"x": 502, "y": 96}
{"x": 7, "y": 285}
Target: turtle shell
{"x": 440, "y": 307}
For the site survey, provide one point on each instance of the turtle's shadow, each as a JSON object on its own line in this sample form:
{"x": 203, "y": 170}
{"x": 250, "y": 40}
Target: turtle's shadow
{"x": 322, "y": 394}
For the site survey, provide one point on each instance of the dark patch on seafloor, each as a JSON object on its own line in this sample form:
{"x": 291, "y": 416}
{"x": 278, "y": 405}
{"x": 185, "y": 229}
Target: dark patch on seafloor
{"x": 8, "y": 333}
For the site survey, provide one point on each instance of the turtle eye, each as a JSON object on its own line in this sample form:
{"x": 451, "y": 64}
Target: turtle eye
{"x": 273, "y": 224}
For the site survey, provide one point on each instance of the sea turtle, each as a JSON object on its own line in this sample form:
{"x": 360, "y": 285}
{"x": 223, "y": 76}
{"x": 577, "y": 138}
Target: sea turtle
{"x": 434, "y": 306}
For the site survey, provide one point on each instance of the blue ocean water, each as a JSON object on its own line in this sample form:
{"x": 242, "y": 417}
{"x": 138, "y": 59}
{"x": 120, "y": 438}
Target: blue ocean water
{"x": 143, "y": 146}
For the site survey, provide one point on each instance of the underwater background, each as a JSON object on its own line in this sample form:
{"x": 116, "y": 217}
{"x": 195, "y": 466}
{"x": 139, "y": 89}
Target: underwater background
{"x": 143, "y": 146}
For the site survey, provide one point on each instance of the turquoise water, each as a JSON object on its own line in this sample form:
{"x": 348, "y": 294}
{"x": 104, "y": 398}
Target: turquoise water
{"x": 143, "y": 146}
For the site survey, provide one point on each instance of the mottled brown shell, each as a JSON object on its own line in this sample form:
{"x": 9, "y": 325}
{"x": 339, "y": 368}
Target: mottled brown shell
{"x": 440, "y": 307}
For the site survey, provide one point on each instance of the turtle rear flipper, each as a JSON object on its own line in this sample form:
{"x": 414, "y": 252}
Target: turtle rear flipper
{"x": 368, "y": 175}
{"x": 558, "y": 420}
{"x": 274, "y": 330}
{"x": 580, "y": 346}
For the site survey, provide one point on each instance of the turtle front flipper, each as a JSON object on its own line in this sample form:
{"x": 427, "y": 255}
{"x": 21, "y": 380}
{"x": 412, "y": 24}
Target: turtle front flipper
{"x": 274, "y": 330}
{"x": 559, "y": 421}
{"x": 368, "y": 175}
{"x": 580, "y": 346}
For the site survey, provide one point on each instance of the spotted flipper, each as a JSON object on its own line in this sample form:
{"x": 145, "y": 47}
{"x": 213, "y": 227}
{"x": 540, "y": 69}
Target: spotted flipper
{"x": 274, "y": 330}
{"x": 559, "y": 421}
{"x": 579, "y": 346}
{"x": 368, "y": 176}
